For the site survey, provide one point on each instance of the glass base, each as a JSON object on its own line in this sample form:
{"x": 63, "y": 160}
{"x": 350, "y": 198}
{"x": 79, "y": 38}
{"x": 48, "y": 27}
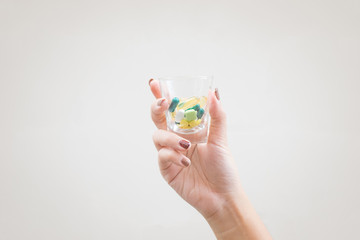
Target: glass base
{"x": 193, "y": 130}
{"x": 195, "y": 135}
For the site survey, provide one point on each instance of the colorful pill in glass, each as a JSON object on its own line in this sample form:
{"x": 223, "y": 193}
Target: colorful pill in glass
{"x": 200, "y": 113}
{"x": 173, "y": 104}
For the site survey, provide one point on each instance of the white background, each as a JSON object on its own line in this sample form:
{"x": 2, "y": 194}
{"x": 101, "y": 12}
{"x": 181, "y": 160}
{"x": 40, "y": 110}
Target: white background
{"x": 76, "y": 153}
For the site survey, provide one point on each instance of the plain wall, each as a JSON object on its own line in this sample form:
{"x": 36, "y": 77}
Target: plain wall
{"x": 76, "y": 153}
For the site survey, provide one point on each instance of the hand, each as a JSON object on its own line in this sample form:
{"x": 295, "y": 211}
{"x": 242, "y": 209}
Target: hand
{"x": 205, "y": 174}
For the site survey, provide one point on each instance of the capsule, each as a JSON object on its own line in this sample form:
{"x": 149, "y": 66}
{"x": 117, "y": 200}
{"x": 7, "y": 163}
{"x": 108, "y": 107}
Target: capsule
{"x": 203, "y": 100}
{"x": 187, "y": 103}
{"x": 181, "y": 105}
{"x": 173, "y": 104}
{"x": 200, "y": 113}
{"x": 196, "y": 107}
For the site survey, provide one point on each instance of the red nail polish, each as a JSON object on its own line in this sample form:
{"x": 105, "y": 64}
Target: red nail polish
{"x": 185, "y": 162}
{"x": 160, "y": 101}
{"x": 185, "y": 144}
{"x": 150, "y": 80}
{"x": 217, "y": 94}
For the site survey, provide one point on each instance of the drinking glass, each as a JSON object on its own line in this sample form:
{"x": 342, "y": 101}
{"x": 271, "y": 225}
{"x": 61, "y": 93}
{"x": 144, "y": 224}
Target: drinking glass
{"x": 187, "y": 114}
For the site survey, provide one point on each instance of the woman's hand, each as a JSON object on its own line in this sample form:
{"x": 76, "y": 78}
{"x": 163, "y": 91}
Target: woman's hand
{"x": 203, "y": 174}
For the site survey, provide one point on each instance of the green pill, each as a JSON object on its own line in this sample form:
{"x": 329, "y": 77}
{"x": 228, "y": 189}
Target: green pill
{"x": 173, "y": 104}
{"x": 200, "y": 113}
{"x": 196, "y": 107}
{"x": 190, "y": 115}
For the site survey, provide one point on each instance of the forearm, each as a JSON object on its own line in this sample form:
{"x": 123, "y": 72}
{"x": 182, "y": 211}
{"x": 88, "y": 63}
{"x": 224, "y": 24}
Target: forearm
{"x": 237, "y": 219}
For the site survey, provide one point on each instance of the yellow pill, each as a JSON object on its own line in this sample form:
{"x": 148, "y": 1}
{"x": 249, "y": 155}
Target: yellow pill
{"x": 184, "y": 123}
{"x": 203, "y": 101}
{"x": 195, "y": 123}
{"x": 188, "y": 103}
{"x": 192, "y": 123}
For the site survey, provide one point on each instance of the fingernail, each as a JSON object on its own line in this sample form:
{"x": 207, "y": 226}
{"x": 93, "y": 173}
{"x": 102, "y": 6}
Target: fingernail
{"x": 185, "y": 162}
{"x": 150, "y": 80}
{"x": 217, "y": 94}
{"x": 185, "y": 144}
{"x": 160, "y": 101}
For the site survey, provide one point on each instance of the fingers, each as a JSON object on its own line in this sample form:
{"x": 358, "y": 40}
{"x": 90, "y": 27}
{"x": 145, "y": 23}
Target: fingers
{"x": 171, "y": 163}
{"x": 167, "y": 156}
{"x": 217, "y": 132}
{"x": 169, "y": 145}
{"x": 168, "y": 139}
{"x": 158, "y": 109}
{"x": 171, "y": 149}
{"x": 155, "y": 88}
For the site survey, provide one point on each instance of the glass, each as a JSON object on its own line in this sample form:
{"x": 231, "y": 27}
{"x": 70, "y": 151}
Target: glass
{"x": 187, "y": 96}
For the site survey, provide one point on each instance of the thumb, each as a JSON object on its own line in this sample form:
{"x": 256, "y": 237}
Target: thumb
{"x": 217, "y": 134}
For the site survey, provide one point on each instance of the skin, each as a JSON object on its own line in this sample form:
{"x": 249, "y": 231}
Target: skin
{"x": 205, "y": 175}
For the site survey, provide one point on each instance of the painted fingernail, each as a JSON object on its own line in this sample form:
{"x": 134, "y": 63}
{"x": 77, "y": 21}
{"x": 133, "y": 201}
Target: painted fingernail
{"x": 184, "y": 144}
{"x": 160, "y": 101}
{"x": 185, "y": 162}
{"x": 217, "y": 94}
{"x": 150, "y": 80}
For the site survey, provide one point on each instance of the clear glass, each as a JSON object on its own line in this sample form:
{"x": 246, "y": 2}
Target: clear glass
{"x": 188, "y": 105}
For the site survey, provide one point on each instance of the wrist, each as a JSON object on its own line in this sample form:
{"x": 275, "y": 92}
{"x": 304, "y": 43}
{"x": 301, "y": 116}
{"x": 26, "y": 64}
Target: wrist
{"x": 228, "y": 219}
{"x": 237, "y": 219}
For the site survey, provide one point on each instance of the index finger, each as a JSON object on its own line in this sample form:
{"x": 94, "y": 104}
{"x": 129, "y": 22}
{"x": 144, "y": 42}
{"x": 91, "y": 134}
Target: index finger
{"x": 159, "y": 107}
{"x": 155, "y": 88}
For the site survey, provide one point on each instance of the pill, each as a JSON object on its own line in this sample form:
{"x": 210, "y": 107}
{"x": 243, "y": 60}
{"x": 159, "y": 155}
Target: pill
{"x": 196, "y": 107}
{"x": 190, "y": 115}
{"x": 188, "y": 103}
{"x": 193, "y": 123}
{"x": 179, "y": 115}
{"x": 184, "y": 123}
{"x": 173, "y": 104}
{"x": 203, "y": 100}
{"x": 200, "y": 113}
{"x": 172, "y": 115}
{"x": 181, "y": 104}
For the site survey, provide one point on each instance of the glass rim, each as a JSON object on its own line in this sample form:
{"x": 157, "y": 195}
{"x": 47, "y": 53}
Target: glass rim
{"x": 186, "y": 77}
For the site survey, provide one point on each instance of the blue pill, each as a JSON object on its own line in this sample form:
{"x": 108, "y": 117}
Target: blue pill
{"x": 196, "y": 107}
{"x": 200, "y": 113}
{"x": 173, "y": 104}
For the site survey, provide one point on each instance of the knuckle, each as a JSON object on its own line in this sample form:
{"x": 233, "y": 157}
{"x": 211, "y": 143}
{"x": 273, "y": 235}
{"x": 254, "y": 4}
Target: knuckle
{"x": 166, "y": 139}
{"x": 155, "y": 136}
{"x": 164, "y": 136}
{"x": 164, "y": 154}
{"x": 152, "y": 108}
